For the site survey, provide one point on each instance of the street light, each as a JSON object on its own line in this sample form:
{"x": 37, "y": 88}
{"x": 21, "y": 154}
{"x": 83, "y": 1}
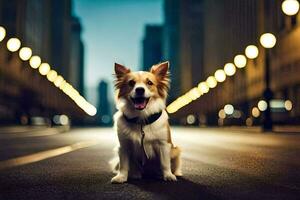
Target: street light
{"x": 211, "y": 82}
{"x": 2, "y": 33}
{"x": 251, "y": 51}
{"x": 268, "y": 41}
{"x": 229, "y": 69}
{"x": 203, "y": 87}
{"x": 262, "y": 105}
{"x": 44, "y": 69}
{"x": 35, "y": 62}
{"x": 194, "y": 93}
{"x": 13, "y": 44}
{"x": 58, "y": 81}
{"x": 51, "y": 76}
{"x": 290, "y": 7}
{"x": 228, "y": 109}
{"x": 25, "y": 53}
{"x": 220, "y": 75}
{"x": 240, "y": 61}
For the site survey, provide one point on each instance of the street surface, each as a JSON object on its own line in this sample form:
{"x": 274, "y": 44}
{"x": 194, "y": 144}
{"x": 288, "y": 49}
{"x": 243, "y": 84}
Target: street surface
{"x": 217, "y": 164}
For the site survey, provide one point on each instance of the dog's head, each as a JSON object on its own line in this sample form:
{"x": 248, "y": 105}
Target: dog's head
{"x": 142, "y": 91}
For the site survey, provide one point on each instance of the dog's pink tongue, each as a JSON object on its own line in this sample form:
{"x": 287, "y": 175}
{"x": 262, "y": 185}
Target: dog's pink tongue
{"x": 140, "y": 106}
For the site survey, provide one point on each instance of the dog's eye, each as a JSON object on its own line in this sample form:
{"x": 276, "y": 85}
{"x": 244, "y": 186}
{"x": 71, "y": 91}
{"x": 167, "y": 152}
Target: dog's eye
{"x": 131, "y": 83}
{"x": 149, "y": 83}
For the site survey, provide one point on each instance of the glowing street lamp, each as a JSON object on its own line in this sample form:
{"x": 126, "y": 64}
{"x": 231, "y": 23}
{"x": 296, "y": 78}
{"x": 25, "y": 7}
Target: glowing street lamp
{"x": 25, "y": 53}
{"x": 220, "y": 75}
{"x": 240, "y": 61}
{"x": 262, "y": 105}
{"x": 267, "y": 40}
{"x": 203, "y": 87}
{"x": 2, "y": 33}
{"x": 229, "y": 69}
{"x": 35, "y": 62}
{"x": 290, "y": 7}
{"x": 228, "y": 109}
{"x": 58, "y": 81}
{"x": 44, "y": 69}
{"x": 251, "y": 51}
{"x": 211, "y": 82}
{"x": 51, "y": 76}
{"x": 13, "y": 44}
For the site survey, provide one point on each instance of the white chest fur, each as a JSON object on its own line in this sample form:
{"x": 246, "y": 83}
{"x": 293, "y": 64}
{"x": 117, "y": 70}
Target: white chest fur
{"x": 130, "y": 135}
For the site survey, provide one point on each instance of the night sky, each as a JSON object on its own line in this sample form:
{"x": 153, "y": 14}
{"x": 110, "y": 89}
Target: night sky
{"x": 113, "y": 32}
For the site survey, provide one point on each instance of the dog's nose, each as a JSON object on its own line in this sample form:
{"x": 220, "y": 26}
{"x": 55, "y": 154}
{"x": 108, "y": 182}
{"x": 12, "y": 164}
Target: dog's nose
{"x": 139, "y": 90}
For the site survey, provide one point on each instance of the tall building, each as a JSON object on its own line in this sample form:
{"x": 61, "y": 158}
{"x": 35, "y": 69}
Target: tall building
{"x": 229, "y": 27}
{"x": 77, "y": 56}
{"x": 104, "y": 108}
{"x": 46, "y": 27}
{"x": 183, "y": 43}
{"x": 152, "y": 46}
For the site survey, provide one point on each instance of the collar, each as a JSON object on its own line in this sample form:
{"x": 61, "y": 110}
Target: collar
{"x": 149, "y": 120}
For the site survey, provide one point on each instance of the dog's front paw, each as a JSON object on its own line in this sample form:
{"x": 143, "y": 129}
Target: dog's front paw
{"x": 119, "y": 179}
{"x": 169, "y": 177}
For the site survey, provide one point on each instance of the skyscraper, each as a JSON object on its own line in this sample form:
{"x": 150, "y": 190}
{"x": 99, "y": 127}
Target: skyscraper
{"x": 152, "y": 46}
{"x": 183, "y": 43}
{"x": 104, "y": 108}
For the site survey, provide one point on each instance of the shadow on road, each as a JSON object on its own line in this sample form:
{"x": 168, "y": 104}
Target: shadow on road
{"x": 182, "y": 188}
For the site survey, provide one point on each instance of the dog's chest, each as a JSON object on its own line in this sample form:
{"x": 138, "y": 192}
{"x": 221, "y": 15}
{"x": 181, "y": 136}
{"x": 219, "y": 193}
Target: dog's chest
{"x": 141, "y": 138}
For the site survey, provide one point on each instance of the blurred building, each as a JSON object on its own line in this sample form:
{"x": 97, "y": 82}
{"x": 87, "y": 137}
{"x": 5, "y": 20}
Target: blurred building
{"x": 50, "y": 30}
{"x": 183, "y": 43}
{"x": 152, "y": 46}
{"x": 104, "y": 107}
{"x": 229, "y": 27}
{"x": 77, "y": 56}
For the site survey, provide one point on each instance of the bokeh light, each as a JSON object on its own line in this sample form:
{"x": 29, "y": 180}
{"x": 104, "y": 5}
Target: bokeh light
{"x": 229, "y": 69}
{"x": 251, "y": 51}
{"x": 240, "y": 61}
{"x": 220, "y": 75}
{"x": 2, "y": 33}
{"x": 25, "y": 53}
{"x": 290, "y": 7}
{"x": 44, "y": 69}
{"x": 211, "y": 82}
{"x": 13, "y": 44}
{"x": 267, "y": 40}
{"x": 35, "y": 62}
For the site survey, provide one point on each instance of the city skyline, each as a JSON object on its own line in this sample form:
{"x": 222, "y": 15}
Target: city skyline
{"x": 110, "y": 38}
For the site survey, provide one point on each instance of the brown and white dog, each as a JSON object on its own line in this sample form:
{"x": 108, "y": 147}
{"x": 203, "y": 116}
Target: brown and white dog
{"x": 142, "y": 124}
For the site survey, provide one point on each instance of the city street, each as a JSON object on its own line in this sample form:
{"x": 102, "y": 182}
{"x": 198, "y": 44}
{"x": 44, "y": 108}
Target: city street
{"x": 217, "y": 164}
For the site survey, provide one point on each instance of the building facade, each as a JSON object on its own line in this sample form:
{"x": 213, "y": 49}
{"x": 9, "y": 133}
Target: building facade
{"x": 46, "y": 27}
{"x": 229, "y": 27}
{"x": 183, "y": 43}
{"x": 152, "y": 46}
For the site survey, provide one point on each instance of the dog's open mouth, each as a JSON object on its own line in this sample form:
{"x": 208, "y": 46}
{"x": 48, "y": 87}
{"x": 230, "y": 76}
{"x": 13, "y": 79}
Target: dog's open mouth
{"x": 140, "y": 102}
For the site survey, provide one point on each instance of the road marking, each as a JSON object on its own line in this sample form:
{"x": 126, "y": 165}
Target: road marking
{"x": 23, "y": 160}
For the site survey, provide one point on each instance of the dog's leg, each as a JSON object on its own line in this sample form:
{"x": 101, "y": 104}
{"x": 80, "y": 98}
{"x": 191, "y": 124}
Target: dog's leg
{"x": 176, "y": 161}
{"x": 122, "y": 175}
{"x": 165, "y": 161}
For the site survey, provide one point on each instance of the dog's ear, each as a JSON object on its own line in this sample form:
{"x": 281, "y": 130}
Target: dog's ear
{"x": 120, "y": 70}
{"x": 161, "y": 70}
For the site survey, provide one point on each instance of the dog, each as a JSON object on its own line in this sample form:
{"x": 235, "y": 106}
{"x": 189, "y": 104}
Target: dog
{"x": 142, "y": 124}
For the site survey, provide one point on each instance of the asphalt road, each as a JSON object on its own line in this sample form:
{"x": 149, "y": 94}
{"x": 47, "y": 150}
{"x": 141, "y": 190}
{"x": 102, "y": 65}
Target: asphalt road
{"x": 217, "y": 164}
